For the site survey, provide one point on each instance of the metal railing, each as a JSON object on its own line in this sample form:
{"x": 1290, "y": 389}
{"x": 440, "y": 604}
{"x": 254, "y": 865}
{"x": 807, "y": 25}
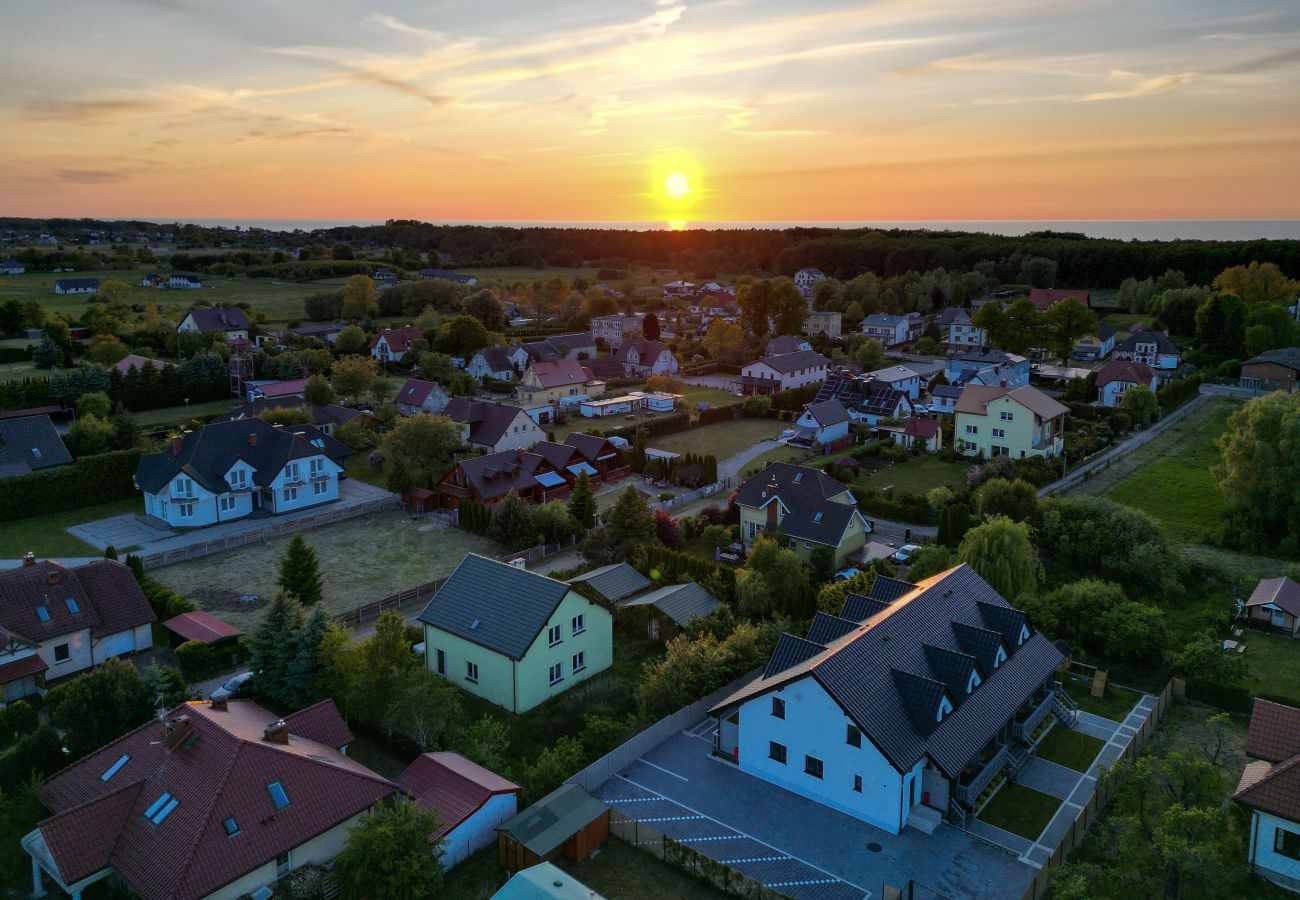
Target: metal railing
{"x": 969, "y": 793}
{"x": 1026, "y": 728}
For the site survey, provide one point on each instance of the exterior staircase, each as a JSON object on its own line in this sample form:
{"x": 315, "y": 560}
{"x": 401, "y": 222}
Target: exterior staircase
{"x": 956, "y": 815}
{"x": 924, "y": 819}
{"x": 1064, "y": 707}
{"x": 1019, "y": 757}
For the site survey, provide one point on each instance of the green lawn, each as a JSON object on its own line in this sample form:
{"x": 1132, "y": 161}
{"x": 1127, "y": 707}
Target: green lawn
{"x": 1115, "y": 704}
{"x": 179, "y": 415}
{"x": 512, "y": 274}
{"x": 695, "y": 393}
{"x": 1069, "y": 748}
{"x": 356, "y": 467}
{"x": 917, "y": 475}
{"x": 1274, "y": 664}
{"x": 722, "y": 439}
{"x": 783, "y": 453}
{"x": 13, "y": 371}
{"x": 45, "y": 535}
{"x": 1020, "y": 810}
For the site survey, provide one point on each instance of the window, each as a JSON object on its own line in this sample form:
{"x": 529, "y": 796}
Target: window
{"x": 61, "y": 653}
{"x": 852, "y": 736}
{"x": 161, "y": 808}
{"x": 553, "y": 635}
{"x": 812, "y": 766}
{"x": 72, "y": 606}
{"x": 231, "y": 826}
{"x": 1005, "y": 416}
{"x": 578, "y": 626}
{"x": 945, "y": 707}
{"x": 239, "y": 478}
{"x": 227, "y": 503}
{"x": 290, "y": 493}
{"x": 278, "y": 795}
{"x": 320, "y": 487}
{"x": 317, "y": 468}
{"x": 291, "y": 472}
{"x": 557, "y": 673}
{"x": 971, "y": 429}
{"x": 776, "y": 752}
{"x": 857, "y": 783}
{"x": 184, "y": 486}
{"x": 283, "y": 865}
{"x": 579, "y": 661}
{"x": 42, "y": 613}
{"x": 115, "y": 767}
{"x": 1286, "y": 843}
{"x": 817, "y": 518}
{"x": 999, "y": 433}
{"x": 471, "y": 672}
{"x": 778, "y": 707}
{"x": 441, "y": 658}
{"x": 187, "y": 510}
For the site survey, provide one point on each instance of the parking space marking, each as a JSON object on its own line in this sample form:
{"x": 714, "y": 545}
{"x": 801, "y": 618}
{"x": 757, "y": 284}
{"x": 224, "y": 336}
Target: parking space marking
{"x": 672, "y": 818}
{"x": 662, "y": 769}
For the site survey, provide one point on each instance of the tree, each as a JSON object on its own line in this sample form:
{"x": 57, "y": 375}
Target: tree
{"x": 389, "y": 853}
{"x": 1260, "y": 474}
{"x": 629, "y": 524}
{"x": 1069, "y": 320}
{"x": 376, "y": 668}
{"x": 931, "y": 560}
{"x": 463, "y": 336}
{"x": 553, "y": 765}
{"x": 273, "y": 647}
{"x": 785, "y": 577}
{"x": 360, "y": 297}
{"x": 165, "y": 685}
{"x": 1022, "y": 325}
{"x": 992, "y": 321}
{"x": 342, "y": 251}
{"x": 105, "y": 349}
{"x": 486, "y": 742}
{"x": 287, "y": 415}
{"x": 1017, "y": 500}
{"x": 318, "y": 391}
{"x": 1076, "y": 611}
{"x": 582, "y": 502}
{"x": 650, "y": 327}
{"x": 99, "y": 706}
{"x": 1258, "y": 283}
{"x": 352, "y": 376}
{"x": 954, "y": 522}
{"x": 870, "y": 355}
{"x": 1140, "y": 404}
{"x": 351, "y": 341}
{"x": 484, "y": 306}
{"x": 789, "y": 309}
{"x": 1203, "y": 660}
{"x": 425, "y": 443}
{"x": 725, "y": 342}
{"x": 1221, "y": 326}
{"x": 89, "y": 436}
{"x": 1001, "y": 552}
{"x": 666, "y": 529}
{"x": 554, "y": 523}
{"x": 512, "y": 523}
{"x": 300, "y": 576}
{"x": 1038, "y": 271}
{"x": 425, "y": 708}
{"x": 46, "y": 355}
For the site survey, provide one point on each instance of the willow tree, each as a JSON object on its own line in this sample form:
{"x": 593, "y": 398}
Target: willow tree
{"x": 1001, "y": 552}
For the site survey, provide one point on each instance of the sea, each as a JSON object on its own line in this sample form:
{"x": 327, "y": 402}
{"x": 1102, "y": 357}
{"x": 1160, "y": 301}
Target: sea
{"x": 1118, "y": 229}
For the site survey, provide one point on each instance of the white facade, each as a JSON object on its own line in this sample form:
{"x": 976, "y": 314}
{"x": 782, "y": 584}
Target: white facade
{"x": 184, "y": 503}
{"x": 479, "y": 830}
{"x": 806, "y": 278}
{"x": 1269, "y": 845}
{"x": 319, "y": 850}
{"x": 480, "y": 368}
{"x": 1112, "y": 392}
{"x": 900, "y": 378}
{"x": 188, "y": 324}
{"x": 786, "y": 380}
{"x": 889, "y": 330}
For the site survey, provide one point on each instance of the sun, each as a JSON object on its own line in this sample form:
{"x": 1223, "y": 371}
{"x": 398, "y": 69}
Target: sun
{"x": 677, "y": 185}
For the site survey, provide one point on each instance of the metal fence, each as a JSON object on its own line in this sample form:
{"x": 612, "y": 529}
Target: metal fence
{"x": 266, "y": 532}
{"x": 368, "y": 612}
{"x": 709, "y": 490}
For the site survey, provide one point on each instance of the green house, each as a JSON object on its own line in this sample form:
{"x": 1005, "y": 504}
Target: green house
{"x": 514, "y": 637}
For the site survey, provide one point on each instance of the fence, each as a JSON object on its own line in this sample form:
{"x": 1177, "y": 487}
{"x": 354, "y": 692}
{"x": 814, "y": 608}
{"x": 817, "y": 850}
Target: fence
{"x": 274, "y": 530}
{"x": 367, "y": 612}
{"x": 709, "y": 490}
{"x": 1097, "y": 802}
{"x": 540, "y": 551}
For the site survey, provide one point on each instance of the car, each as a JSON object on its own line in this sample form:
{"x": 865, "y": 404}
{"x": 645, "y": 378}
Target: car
{"x": 236, "y": 686}
{"x": 905, "y": 553}
{"x": 845, "y": 574}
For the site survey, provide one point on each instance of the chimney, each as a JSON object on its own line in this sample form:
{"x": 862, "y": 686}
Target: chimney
{"x": 219, "y": 704}
{"x": 177, "y": 441}
{"x": 252, "y": 439}
{"x": 29, "y": 558}
{"x": 53, "y": 577}
{"x": 277, "y": 733}
{"x": 177, "y": 731}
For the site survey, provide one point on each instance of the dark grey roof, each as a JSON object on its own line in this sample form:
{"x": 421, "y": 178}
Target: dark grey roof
{"x": 317, "y": 330}
{"x": 497, "y": 474}
{"x": 946, "y": 390}
{"x": 827, "y": 412}
{"x": 826, "y": 628}
{"x": 29, "y": 443}
{"x": 1283, "y": 356}
{"x": 591, "y": 446}
{"x": 1159, "y": 338}
{"x": 888, "y": 589}
{"x": 559, "y": 455}
{"x": 793, "y": 362}
{"x": 541, "y": 351}
{"x": 1104, "y": 330}
{"x": 321, "y": 415}
{"x": 498, "y": 357}
{"x": 554, "y": 819}
{"x": 488, "y": 421}
{"x": 207, "y": 454}
{"x": 614, "y": 582}
{"x": 495, "y": 605}
{"x": 77, "y": 283}
{"x": 785, "y": 343}
{"x": 881, "y": 399}
{"x": 680, "y": 602}
{"x": 646, "y": 351}
{"x": 858, "y": 608}
{"x": 219, "y": 318}
{"x": 790, "y": 651}
{"x": 888, "y": 673}
{"x": 446, "y": 275}
{"x": 954, "y": 315}
{"x": 805, "y": 494}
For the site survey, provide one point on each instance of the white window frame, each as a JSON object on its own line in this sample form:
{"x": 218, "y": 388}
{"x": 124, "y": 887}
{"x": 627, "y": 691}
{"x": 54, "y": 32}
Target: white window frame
{"x": 471, "y": 671}
{"x": 290, "y": 494}
{"x": 319, "y": 488}
{"x": 556, "y": 673}
{"x": 554, "y": 635}
{"x": 578, "y": 625}
{"x": 579, "y": 661}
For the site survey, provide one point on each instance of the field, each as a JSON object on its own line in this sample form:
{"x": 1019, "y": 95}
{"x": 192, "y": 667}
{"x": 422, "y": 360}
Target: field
{"x": 1274, "y": 664}
{"x": 512, "y": 274}
{"x": 722, "y": 439}
{"x": 1123, "y": 323}
{"x": 916, "y": 476}
{"x": 14, "y": 371}
{"x": 45, "y": 535}
{"x": 361, "y": 559}
{"x": 177, "y": 415}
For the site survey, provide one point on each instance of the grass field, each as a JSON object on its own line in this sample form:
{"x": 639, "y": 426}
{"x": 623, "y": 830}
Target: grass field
{"x": 917, "y": 476}
{"x": 13, "y": 371}
{"x": 1020, "y": 810}
{"x": 1115, "y": 704}
{"x": 721, "y": 439}
{"x": 512, "y": 274}
{"x": 1274, "y": 664}
{"x": 45, "y": 535}
{"x": 1072, "y": 749}
{"x": 361, "y": 560}
{"x": 179, "y": 415}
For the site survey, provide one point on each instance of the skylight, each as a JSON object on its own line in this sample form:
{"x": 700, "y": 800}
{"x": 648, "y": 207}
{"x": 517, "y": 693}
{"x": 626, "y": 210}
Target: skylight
{"x": 113, "y": 769}
{"x": 42, "y": 613}
{"x": 278, "y": 795}
{"x": 231, "y": 826}
{"x": 817, "y": 518}
{"x": 161, "y": 808}
{"x": 798, "y": 477}
{"x": 72, "y": 606}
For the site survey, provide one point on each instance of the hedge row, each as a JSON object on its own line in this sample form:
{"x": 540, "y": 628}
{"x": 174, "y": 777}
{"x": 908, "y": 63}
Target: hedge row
{"x": 88, "y": 481}
{"x": 1232, "y": 699}
{"x": 673, "y": 565}
{"x": 1176, "y": 393}
{"x": 15, "y": 354}
{"x": 654, "y": 428}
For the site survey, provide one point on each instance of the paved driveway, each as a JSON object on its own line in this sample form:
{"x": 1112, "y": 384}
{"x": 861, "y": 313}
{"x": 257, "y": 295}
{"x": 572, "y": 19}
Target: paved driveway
{"x": 790, "y": 843}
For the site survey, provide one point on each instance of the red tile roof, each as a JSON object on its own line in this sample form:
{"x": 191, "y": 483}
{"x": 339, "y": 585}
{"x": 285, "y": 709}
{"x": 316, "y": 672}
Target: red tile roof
{"x": 1046, "y": 298}
{"x": 105, "y": 593}
{"x": 116, "y": 595}
{"x": 452, "y": 786}
{"x": 200, "y": 626}
{"x": 1274, "y": 733}
{"x": 559, "y": 372}
{"x": 1272, "y": 785}
{"x": 414, "y": 392}
{"x": 321, "y": 722}
{"x": 924, "y": 428}
{"x": 28, "y": 665}
{"x": 399, "y": 339}
{"x": 221, "y": 772}
{"x": 1122, "y": 370}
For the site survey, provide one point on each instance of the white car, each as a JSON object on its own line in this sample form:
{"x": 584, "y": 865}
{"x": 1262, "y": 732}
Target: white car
{"x": 234, "y": 687}
{"x": 905, "y": 553}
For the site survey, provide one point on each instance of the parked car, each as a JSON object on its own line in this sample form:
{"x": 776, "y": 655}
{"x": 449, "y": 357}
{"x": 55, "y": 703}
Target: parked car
{"x": 237, "y": 686}
{"x": 905, "y": 553}
{"x": 845, "y": 574}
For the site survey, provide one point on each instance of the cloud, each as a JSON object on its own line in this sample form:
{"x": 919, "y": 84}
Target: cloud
{"x": 89, "y": 176}
{"x": 92, "y": 111}
{"x": 1144, "y": 87}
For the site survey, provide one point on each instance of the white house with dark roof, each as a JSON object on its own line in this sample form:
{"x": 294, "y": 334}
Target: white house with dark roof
{"x": 901, "y": 378}
{"x": 802, "y": 508}
{"x": 76, "y": 285}
{"x": 227, "y": 320}
{"x": 181, "y": 281}
{"x": 825, "y": 422}
{"x": 643, "y": 358}
{"x": 904, "y": 709}
{"x": 783, "y": 372}
{"x": 957, "y": 329}
{"x": 492, "y": 425}
{"x": 504, "y": 363}
{"x": 889, "y": 329}
{"x": 12, "y": 267}
{"x": 1118, "y": 376}
{"x": 808, "y": 276}
{"x": 786, "y": 343}
{"x": 1151, "y": 347}
{"x": 417, "y": 396}
{"x": 1270, "y": 789}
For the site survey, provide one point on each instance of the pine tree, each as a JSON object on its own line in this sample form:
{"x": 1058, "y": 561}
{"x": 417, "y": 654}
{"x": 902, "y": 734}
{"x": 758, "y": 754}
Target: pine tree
{"x": 300, "y": 575}
{"x": 629, "y": 524}
{"x": 512, "y": 523}
{"x": 273, "y": 647}
{"x": 582, "y": 502}
{"x": 110, "y": 552}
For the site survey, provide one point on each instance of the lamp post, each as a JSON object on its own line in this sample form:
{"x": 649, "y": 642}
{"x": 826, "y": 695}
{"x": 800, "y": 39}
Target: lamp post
{"x": 187, "y": 407}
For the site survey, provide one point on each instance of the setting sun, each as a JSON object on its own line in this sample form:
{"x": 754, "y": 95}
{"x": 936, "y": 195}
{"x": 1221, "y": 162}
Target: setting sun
{"x": 677, "y": 185}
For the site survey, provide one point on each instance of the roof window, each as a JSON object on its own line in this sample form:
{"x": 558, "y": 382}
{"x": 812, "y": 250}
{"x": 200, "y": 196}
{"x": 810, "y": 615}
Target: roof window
{"x": 161, "y": 808}
{"x": 278, "y": 795}
{"x": 231, "y": 826}
{"x": 72, "y": 606}
{"x": 115, "y": 767}
{"x": 42, "y": 613}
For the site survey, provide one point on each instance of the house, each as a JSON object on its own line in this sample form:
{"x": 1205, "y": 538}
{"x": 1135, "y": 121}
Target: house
{"x": 915, "y": 433}
{"x": 445, "y": 275}
{"x": 493, "y": 425}
{"x": 573, "y": 345}
{"x": 1045, "y": 298}
{"x": 183, "y": 282}
{"x": 991, "y": 368}
{"x": 567, "y": 822}
{"x": 152, "y": 280}
{"x": 671, "y": 608}
{"x": 488, "y": 479}
{"x": 786, "y": 343}
{"x": 503, "y": 363}
{"x": 866, "y": 400}
{"x": 326, "y": 418}
{"x": 132, "y": 360}
{"x": 614, "y": 329}
{"x": 276, "y": 390}
{"x": 219, "y": 799}
{"x": 1001, "y": 421}
{"x": 1097, "y": 345}
{"x": 76, "y": 285}
{"x": 824, "y": 321}
{"x": 943, "y": 398}
{"x": 1151, "y": 347}
{"x": 227, "y": 320}
{"x": 328, "y": 332}
{"x": 28, "y": 444}
{"x": 643, "y": 358}
{"x": 957, "y": 330}
{"x": 1270, "y": 789}
{"x": 1273, "y": 370}
{"x": 679, "y": 288}
{"x": 384, "y": 278}
{"x": 807, "y": 277}
{"x": 545, "y": 881}
{"x": 783, "y": 372}
{"x": 514, "y": 637}
{"x": 890, "y": 330}
{"x": 469, "y": 801}
{"x": 804, "y": 509}
{"x": 599, "y": 453}
{"x": 1118, "y": 376}
{"x": 56, "y": 621}
{"x": 903, "y": 708}
{"x": 1275, "y": 606}
{"x": 416, "y": 396}
{"x": 825, "y": 423}
{"x": 391, "y": 344}
{"x": 900, "y": 378}
{"x": 228, "y": 470}
{"x": 554, "y": 380}
{"x": 12, "y": 267}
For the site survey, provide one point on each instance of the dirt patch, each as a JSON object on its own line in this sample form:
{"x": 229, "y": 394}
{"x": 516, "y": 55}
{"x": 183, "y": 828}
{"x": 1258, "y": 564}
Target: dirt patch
{"x": 214, "y": 599}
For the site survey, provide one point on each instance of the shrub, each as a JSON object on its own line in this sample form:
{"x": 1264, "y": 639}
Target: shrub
{"x": 195, "y": 660}
{"x": 102, "y": 478}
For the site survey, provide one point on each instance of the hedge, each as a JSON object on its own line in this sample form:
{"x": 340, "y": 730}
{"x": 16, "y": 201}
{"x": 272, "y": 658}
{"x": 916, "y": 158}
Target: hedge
{"x": 88, "y": 481}
{"x": 906, "y": 508}
{"x": 671, "y": 565}
{"x": 1176, "y": 393}
{"x": 15, "y": 354}
{"x": 1226, "y": 697}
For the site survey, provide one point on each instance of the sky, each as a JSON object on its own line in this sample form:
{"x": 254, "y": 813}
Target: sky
{"x": 753, "y": 110}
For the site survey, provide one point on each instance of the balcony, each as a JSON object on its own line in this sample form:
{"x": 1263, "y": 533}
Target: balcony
{"x": 970, "y": 786}
{"x": 1024, "y": 728}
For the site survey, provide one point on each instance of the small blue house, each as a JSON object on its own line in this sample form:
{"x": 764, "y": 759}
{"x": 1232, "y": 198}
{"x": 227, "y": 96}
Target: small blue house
{"x": 824, "y": 423}
{"x": 1270, "y": 788}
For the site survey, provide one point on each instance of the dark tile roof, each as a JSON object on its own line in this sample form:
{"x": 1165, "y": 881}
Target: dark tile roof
{"x": 889, "y": 589}
{"x": 495, "y": 605}
{"x": 498, "y": 358}
{"x": 31, "y": 443}
{"x": 647, "y": 351}
{"x": 70, "y": 283}
{"x": 559, "y": 372}
{"x": 827, "y": 412}
{"x": 415, "y": 391}
{"x": 541, "y": 351}
{"x": 558, "y": 455}
{"x": 591, "y": 446}
{"x": 888, "y": 673}
{"x": 1284, "y": 356}
{"x": 826, "y": 628}
{"x": 784, "y": 343}
{"x": 497, "y": 474}
{"x": 1272, "y": 785}
{"x": 1159, "y": 338}
{"x": 793, "y": 362}
{"x": 679, "y": 602}
{"x": 946, "y": 390}
{"x": 1125, "y": 371}
{"x": 617, "y": 581}
{"x": 321, "y": 415}
{"x": 104, "y": 593}
{"x": 554, "y": 819}
{"x": 858, "y": 608}
{"x": 805, "y": 494}
{"x": 848, "y": 390}
{"x": 219, "y": 318}
{"x": 791, "y": 650}
{"x": 453, "y": 787}
{"x": 207, "y": 454}
{"x": 321, "y": 722}
{"x": 488, "y": 420}
{"x": 954, "y": 315}
{"x": 1281, "y": 592}
{"x": 881, "y": 399}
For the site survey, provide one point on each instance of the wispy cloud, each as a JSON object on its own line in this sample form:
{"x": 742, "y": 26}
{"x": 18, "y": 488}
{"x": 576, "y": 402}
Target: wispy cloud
{"x": 1140, "y": 86}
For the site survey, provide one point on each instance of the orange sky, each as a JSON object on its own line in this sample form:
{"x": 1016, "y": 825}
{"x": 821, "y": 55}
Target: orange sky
{"x": 898, "y": 109}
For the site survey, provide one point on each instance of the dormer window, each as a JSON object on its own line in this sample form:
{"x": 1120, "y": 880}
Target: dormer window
{"x": 1024, "y": 635}
{"x": 238, "y": 478}
{"x": 972, "y": 682}
{"x": 1000, "y": 657}
{"x": 945, "y": 707}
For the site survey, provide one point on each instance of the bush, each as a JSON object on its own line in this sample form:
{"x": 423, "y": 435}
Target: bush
{"x": 195, "y": 660}
{"x": 17, "y": 719}
{"x": 756, "y": 407}
{"x": 91, "y": 480}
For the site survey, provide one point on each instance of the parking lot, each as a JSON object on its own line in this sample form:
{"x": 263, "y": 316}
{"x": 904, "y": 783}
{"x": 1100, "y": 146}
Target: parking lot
{"x": 791, "y": 844}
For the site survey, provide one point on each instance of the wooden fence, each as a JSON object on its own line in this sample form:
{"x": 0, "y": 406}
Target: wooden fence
{"x": 1097, "y": 802}
{"x": 368, "y": 612}
{"x": 266, "y": 532}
